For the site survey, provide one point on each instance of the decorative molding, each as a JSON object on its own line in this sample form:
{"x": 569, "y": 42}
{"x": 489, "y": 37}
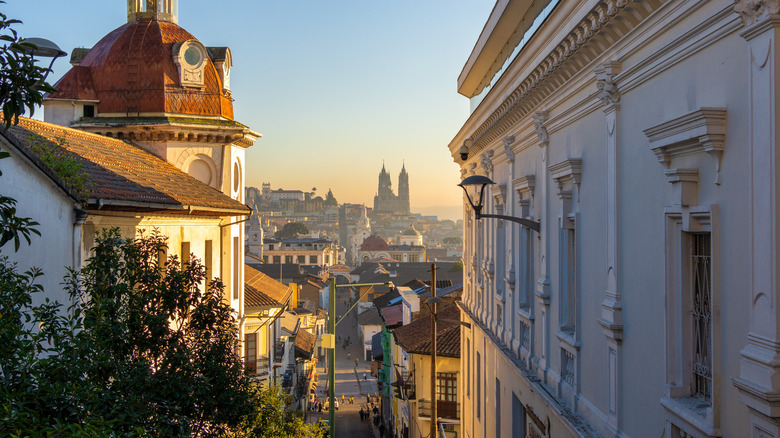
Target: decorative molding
{"x": 597, "y": 29}
{"x": 753, "y": 11}
{"x": 685, "y": 183}
{"x": 703, "y": 130}
{"x": 487, "y": 162}
{"x": 539, "y": 118}
{"x": 524, "y": 186}
{"x": 607, "y": 91}
{"x": 508, "y": 141}
{"x": 499, "y": 194}
{"x": 566, "y": 173}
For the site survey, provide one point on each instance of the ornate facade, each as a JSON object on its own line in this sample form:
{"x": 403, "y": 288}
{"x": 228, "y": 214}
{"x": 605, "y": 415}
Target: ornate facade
{"x": 642, "y": 136}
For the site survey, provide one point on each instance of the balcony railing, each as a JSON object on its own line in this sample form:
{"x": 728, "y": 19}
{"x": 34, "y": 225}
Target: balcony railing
{"x": 256, "y": 366}
{"x": 444, "y": 409}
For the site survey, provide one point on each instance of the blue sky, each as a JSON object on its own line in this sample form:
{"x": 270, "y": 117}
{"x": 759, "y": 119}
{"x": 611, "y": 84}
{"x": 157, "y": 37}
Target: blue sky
{"x": 336, "y": 87}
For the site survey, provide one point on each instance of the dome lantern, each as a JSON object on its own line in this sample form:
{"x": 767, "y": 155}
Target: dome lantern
{"x": 162, "y": 10}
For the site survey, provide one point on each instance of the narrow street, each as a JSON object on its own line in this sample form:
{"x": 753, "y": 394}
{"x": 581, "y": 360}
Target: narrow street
{"x": 349, "y": 376}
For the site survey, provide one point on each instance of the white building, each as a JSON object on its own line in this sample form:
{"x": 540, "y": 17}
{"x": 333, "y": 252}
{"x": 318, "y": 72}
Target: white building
{"x": 642, "y": 136}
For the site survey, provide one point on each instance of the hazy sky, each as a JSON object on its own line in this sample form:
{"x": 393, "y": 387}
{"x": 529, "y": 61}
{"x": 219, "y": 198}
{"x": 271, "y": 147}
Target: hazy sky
{"x": 335, "y": 87}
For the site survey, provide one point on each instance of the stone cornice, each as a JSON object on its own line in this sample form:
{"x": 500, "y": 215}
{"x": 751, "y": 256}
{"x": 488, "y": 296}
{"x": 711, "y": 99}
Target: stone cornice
{"x": 602, "y": 27}
{"x": 175, "y": 132}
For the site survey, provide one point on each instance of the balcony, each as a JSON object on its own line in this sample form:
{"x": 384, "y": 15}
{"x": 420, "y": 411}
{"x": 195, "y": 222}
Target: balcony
{"x": 444, "y": 409}
{"x": 257, "y": 366}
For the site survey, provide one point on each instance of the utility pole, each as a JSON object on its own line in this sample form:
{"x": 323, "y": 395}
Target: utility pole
{"x": 433, "y": 302}
{"x": 332, "y": 355}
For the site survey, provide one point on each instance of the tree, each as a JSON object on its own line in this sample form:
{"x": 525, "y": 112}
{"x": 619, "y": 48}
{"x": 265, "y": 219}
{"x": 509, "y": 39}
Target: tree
{"x": 291, "y": 230}
{"x": 330, "y": 200}
{"x": 22, "y": 82}
{"x": 142, "y": 351}
{"x": 454, "y": 240}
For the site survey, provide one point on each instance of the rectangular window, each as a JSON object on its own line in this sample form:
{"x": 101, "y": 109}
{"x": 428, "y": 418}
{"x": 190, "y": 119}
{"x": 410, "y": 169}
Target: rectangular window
{"x": 302, "y": 259}
{"x": 327, "y": 259}
{"x": 208, "y": 263}
{"x": 447, "y": 387}
{"x": 89, "y": 110}
{"x": 701, "y": 315}
{"x": 468, "y": 368}
{"x": 518, "y": 417}
{"x": 312, "y": 259}
{"x": 288, "y": 259}
{"x": 568, "y": 280}
{"x": 238, "y": 263}
{"x": 498, "y": 407}
{"x": 265, "y": 259}
{"x": 478, "y": 388}
{"x": 250, "y": 359}
{"x": 277, "y": 259}
{"x": 185, "y": 254}
{"x": 270, "y": 247}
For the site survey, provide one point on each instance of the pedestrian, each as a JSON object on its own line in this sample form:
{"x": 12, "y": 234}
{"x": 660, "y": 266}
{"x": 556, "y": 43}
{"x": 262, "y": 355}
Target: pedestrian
{"x": 382, "y": 429}
{"x": 319, "y": 407}
{"x": 364, "y": 378}
{"x": 356, "y": 362}
{"x": 342, "y": 398}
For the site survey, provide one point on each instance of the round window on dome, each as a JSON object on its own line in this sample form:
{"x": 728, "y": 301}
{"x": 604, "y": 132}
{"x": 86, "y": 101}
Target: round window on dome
{"x": 192, "y": 56}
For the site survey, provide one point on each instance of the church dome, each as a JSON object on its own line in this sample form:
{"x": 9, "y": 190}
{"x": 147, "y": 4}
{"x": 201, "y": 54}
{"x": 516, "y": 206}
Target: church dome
{"x": 411, "y": 232}
{"x": 150, "y": 67}
{"x": 374, "y": 243}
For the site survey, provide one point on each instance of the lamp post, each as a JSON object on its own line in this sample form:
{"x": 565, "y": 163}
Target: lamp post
{"x": 332, "y": 323}
{"x": 40, "y": 47}
{"x": 477, "y": 183}
{"x": 432, "y": 302}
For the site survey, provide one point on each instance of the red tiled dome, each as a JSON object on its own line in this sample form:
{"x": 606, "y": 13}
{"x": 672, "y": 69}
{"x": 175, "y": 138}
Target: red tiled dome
{"x": 374, "y": 243}
{"x": 131, "y": 70}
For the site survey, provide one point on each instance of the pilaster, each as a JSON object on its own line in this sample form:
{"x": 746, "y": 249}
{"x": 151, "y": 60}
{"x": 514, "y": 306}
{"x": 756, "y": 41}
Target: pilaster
{"x": 611, "y": 319}
{"x": 542, "y": 291}
{"x": 759, "y": 379}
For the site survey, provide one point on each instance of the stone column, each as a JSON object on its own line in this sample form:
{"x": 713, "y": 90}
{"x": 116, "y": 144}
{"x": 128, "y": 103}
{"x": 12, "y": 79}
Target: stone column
{"x": 542, "y": 291}
{"x": 759, "y": 379}
{"x": 611, "y": 308}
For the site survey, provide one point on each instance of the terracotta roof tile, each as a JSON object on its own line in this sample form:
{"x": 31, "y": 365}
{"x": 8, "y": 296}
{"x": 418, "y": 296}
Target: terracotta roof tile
{"x": 123, "y": 176}
{"x": 261, "y": 288}
{"x": 304, "y": 344}
{"x": 415, "y": 337}
{"x": 133, "y": 72}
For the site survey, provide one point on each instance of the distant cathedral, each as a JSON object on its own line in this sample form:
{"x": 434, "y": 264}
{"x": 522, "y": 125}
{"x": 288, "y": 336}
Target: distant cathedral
{"x": 386, "y": 201}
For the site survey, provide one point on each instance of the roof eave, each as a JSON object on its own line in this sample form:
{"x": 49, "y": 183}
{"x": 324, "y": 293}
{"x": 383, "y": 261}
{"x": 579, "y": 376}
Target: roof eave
{"x": 503, "y": 30}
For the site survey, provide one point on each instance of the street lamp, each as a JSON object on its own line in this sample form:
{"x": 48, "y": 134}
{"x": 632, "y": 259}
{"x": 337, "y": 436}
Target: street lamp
{"x": 477, "y": 184}
{"x": 40, "y": 47}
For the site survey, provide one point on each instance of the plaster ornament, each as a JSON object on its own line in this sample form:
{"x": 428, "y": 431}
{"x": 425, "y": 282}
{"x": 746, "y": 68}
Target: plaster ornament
{"x": 487, "y": 163}
{"x": 752, "y": 11}
{"x": 510, "y": 155}
{"x": 541, "y": 132}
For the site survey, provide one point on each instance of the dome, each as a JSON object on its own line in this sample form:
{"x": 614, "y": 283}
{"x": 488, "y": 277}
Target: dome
{"x": 150, "y": 67}
{"x": 411, "y": 232}
{"x": 374, "y": 243}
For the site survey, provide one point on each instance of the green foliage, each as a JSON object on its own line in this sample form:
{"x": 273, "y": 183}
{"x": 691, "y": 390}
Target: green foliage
{"x": 458, "y": 266}
{"x": 454, "y": 240}
{"x": 141, "y": 352}
{"x": 22, "y": 83}
{"x": 270, "y": 419}
{"x": 330, "y": 200}
{"x": 291, "y": 230}
{"x": 66, "y": 166}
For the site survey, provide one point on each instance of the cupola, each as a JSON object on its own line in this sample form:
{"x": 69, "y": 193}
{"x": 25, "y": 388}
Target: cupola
{"x": 161, "y": 10}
